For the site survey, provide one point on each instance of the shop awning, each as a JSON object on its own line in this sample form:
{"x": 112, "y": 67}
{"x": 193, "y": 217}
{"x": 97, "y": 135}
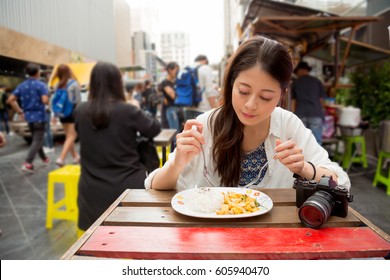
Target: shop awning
{"x": 295, "y": 25}
{"x": 359, "y": 54}
{"x": 133, "y": 68}
{"x": 307, "y": 31}
{"x": 311, "y": 32}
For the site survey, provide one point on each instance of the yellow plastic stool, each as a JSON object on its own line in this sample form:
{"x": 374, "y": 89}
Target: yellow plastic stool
{"x": 65, "y": 208}
{"x": 384, "y": 179}
{"x": 160, "y": 153}
{"x": 350, "y": 154}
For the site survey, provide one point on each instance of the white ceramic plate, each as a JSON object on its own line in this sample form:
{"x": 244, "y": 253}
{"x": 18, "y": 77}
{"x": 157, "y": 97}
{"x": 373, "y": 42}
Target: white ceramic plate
{"x": 178, "y": 203}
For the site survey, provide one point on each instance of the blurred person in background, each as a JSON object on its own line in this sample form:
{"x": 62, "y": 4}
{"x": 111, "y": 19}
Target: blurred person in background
{"x": 48, "y": 145}
{"x": 138, "y": 89}
{"x": 33, "y": 95}
{"x": 169, "y": 112}
{"x": 308, "y": 94}
{"x": 3, "y": 140}
{"x": 129, "y": 87}
{"x": 149, "y": 97}
{"x": 210, "y": 94}
{"x": 68, "y": 81}
{"x": 107, "y": 127}
{"x": 3, "y": 110}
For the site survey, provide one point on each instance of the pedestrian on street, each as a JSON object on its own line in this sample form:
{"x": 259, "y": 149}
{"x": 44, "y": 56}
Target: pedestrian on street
{"x": 308, "y": 93}
{"x": 169, "y": 112}
{"x": 68, "y": 81}
{"x": 33, "y": 95}
{"x": 3, "y": 110}
{"x": 210, "y": 94}
{"x": 3, "y": 142}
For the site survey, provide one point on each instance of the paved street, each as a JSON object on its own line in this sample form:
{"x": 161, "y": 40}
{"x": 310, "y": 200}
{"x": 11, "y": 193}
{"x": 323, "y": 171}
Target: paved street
{"x": 23, "y": 200}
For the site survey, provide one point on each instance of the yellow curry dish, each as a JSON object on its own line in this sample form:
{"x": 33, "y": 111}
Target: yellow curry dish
{"x": 237, "y": 203}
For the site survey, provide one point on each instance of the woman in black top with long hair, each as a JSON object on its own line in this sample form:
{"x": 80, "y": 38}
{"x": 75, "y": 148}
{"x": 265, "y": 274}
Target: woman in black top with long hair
{"x": 107, "y": 127}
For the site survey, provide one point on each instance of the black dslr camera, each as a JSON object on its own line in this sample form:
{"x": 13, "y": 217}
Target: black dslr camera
{"x": 318, "y": 201}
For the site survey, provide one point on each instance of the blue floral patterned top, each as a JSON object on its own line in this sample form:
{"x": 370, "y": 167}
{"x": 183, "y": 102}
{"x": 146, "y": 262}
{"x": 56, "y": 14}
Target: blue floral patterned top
{"x": 30, "y": 93}
{"x": 251, "y": 165}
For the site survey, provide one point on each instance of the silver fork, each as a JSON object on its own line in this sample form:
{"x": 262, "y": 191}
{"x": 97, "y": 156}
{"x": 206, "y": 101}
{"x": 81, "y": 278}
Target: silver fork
{"x": 261, "y": 170}
{"x": 206, "y": 173}
{"x": 259, "y": 174}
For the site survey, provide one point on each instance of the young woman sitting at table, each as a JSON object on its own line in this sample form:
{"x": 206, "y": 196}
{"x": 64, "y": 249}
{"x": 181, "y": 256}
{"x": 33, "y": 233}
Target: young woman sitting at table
{"x": 107, "y": 127}
{"x": 247, "y": 131}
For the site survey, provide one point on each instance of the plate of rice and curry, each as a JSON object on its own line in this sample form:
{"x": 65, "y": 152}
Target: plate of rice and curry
{"x": 221, "y": 203}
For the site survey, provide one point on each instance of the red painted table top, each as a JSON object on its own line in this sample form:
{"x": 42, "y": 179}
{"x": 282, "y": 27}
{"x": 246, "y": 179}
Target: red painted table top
{"x": 234, "y": 243}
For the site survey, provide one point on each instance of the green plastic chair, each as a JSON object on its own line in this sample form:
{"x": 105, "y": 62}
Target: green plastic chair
{"x": 352, "y": 153}
{"x": 379, "y": 177}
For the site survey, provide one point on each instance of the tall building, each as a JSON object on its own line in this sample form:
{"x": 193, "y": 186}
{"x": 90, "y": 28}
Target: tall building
{"x": 145, "y": 35}
{"x": 144, "y": 55}
{"x": 145, "y": 19}
{"x": 176, "y": 47}
{"x": 234, "y": 12}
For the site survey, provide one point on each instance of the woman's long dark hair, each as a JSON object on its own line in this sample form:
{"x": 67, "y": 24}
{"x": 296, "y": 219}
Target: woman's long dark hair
{"x": 64, "y": 74}
{"x": 105, "y": 87}
{"x": 227, "y": 130}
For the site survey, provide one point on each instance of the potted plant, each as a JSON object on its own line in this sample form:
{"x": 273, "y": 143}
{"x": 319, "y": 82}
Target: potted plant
{"x": 371, "y": 93}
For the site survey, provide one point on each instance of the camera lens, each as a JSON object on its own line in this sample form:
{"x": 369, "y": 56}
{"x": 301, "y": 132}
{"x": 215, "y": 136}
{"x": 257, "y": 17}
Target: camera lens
{"x": 316, "y": 209}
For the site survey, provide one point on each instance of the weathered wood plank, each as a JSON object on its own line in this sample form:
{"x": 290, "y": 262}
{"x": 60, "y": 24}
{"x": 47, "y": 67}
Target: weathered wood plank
{"x": 279, "y": 216}
{"x": 163, "y": 198}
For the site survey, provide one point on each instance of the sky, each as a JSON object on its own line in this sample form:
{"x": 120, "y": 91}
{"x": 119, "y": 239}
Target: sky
{"x": 202, "y": 19}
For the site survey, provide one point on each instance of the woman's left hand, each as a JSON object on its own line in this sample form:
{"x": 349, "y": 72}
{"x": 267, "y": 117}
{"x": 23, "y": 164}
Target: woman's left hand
{"x": 290, "y": 155}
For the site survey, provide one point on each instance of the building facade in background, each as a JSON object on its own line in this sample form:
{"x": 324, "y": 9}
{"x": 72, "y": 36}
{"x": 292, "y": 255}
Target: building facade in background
{"x": 55, "y": 31}
{"x": 176, "y": 47}
{"x": 144, "y": 55}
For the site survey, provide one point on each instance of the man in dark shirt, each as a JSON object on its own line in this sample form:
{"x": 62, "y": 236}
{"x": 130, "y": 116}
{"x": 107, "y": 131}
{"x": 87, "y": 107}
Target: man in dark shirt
{"x": 33, "y": 95}
{"x": 307, "y": 94}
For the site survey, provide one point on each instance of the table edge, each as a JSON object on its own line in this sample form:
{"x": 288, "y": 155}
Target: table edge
{"x": 77, "y": 245}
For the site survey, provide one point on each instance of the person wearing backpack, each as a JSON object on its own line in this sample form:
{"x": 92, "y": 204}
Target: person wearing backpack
{"x": 33, "y": 95}
{"x": 68, "y": 82}
{"x": 204, "y": 94}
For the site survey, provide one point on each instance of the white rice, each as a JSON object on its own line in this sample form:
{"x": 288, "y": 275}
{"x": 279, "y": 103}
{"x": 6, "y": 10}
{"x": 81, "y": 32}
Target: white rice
{"x": 205, "y": 200}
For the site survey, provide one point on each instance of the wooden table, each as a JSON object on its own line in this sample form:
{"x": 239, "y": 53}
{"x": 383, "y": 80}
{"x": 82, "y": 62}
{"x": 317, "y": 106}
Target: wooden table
{"x": 141, "y": 224}
{"x": 164, "y": 139}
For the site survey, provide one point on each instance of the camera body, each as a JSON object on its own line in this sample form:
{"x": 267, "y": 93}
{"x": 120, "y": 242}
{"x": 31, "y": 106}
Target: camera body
{"x": 307, "y": 188}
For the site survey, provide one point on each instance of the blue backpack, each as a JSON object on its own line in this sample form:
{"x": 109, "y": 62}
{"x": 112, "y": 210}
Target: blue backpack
{"x": 188, "y": 92}
{"x": 61, "y": 105}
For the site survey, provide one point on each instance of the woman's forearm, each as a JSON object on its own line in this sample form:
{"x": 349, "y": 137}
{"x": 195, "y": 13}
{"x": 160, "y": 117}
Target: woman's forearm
{"x": 166, "y": 177}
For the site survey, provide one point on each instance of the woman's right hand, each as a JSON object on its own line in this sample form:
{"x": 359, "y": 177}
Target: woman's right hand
{"x": 188, "y": 143}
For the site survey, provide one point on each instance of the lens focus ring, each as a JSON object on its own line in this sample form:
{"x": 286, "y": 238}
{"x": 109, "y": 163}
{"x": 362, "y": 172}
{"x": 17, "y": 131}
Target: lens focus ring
{"x": 316, "y": 209}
